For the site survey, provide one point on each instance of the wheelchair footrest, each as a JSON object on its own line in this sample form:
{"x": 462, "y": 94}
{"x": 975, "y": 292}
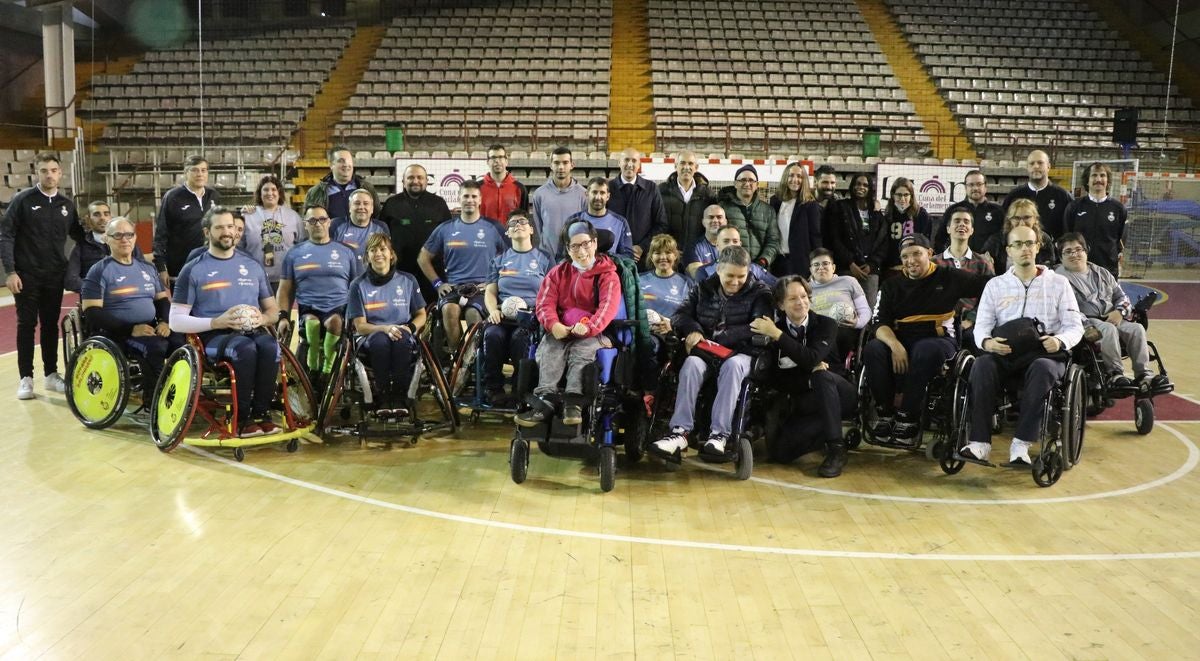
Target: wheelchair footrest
{"x": 892, "y": 444}
{"x": 958, "y": 456}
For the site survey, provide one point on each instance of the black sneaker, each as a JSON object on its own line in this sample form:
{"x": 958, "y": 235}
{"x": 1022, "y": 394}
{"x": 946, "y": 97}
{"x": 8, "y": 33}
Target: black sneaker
{"x": 881, "y": 431}
{"x": 572, "y": 415}
{"x": 1119, "y": 382}
{"x": 531, "y": 418}
{"x": 905, "y": 429}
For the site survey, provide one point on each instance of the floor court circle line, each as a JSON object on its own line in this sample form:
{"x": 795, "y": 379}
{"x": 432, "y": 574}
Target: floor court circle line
{"x": 707, "y": 546}
{"x": 1188, "y": 466}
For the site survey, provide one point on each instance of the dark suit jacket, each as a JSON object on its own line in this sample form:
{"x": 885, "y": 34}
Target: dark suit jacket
{"x": 804, "y": 235}
{"x": 820, "y": 341}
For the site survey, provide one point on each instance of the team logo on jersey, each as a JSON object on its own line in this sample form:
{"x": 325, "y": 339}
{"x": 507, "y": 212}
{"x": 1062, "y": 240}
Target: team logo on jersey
{"x": 185, "y": 207}
{"x": 1111, "y": 216}
{"x": 988, "y": 217}
{"x": 213, "y": 273}
{"x": 1051, "y": 205}
{"x": 243, "y": 270}
{"x": 533, "y": 265}
{"x": 35, "y": 208}
{"x": 455, "y": 233}
{"x": 674, "y": 290}
{"x": 372, "y": 293}
{"x": 146, "y": 276}
{"x": 478, "y": 235}
{"x": 121, "y": 278}
{"x": 306, "y": 255}
{"x": 64, "y": 212}
{"x": 334, "y": 256}
{"x": 121, "y": 291}
{"x": 456, "y": 244}
{"x": 399, "y": 290}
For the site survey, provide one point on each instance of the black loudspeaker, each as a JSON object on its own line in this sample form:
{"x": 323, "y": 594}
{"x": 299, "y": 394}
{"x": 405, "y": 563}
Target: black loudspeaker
{"x": 1125, "y": 123}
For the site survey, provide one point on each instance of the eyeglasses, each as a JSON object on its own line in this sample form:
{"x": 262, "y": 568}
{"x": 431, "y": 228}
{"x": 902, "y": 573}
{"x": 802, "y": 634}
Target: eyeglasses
{"x": 1071, "y": 252}
{"x": 518, "y": 222}
{"x": 122, "y": 236}
{"x": 500, "y": 157}
{"x": 317, "y": 220}
{"x": 747, "y": 181}
{"x": 1021, "y": 245}
{"x": 817, "y": 265}
{"x": 1023, "y": 219}
{"x": 576, "y": 247}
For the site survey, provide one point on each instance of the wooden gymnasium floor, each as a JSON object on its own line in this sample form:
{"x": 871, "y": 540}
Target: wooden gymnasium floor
{"x": 113, "y": 550}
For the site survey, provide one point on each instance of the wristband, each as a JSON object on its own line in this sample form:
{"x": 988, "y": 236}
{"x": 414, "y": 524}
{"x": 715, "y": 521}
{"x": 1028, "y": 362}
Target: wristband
{"x": 437, "y": 283}
{"x": 412, "y": 330}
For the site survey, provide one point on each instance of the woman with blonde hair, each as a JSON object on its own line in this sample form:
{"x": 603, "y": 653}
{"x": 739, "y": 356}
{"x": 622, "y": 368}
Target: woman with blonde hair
{"x": 799, "y": 217}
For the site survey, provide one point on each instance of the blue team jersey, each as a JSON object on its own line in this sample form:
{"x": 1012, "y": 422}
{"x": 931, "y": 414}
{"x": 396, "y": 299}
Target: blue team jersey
{"x": 321, "y": 273}
{"x": 705, "y": 272}
{"x": 200, "y": 250}
{"x": 664, "y": 295}
{"x": 128, "y": 290}
{"x": 615, "y": 224}
{"x": 394, "y": 302}
{"x": 467, "y": 249}
{"x": 520, "y": 273}
{"x": 356, "y": 237}
{"x": 701, "y": 251}
{"x": 211, "y": 285}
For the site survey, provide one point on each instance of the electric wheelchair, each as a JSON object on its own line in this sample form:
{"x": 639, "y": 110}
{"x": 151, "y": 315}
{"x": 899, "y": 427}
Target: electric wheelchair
{"x": 1100, "y": 396}
{"x": 1060, "y": 437}
{"x": 349, "y": 402}
{"x": 191, "y": 385}
{"x": 746, "y": 425}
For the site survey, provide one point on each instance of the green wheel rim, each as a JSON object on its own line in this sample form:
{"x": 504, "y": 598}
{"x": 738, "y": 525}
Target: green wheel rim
{"x": 96, "y": 383}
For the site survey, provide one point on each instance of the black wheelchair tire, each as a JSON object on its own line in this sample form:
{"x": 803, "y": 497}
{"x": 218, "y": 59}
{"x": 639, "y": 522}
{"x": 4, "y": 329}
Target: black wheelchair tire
{"x": 608, "y": 468}
{"x": 171, "y": 440}
{"x": 518, "y": 459}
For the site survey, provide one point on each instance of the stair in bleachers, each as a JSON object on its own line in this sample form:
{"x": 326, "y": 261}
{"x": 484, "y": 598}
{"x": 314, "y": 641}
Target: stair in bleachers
{"x": 947, "y": 137}
{"x": 315, "y": 133}
{"x": 631, "y": 113}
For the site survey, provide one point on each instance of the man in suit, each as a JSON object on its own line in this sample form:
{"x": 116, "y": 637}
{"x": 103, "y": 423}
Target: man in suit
{"x": 816, "y": 397}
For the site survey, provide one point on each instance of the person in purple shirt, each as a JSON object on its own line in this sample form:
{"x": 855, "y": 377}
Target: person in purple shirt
{"x": 387, "y": 311}
{"x": 212, "y": 293}
{"x": 467, "y": 248}
{"x": 518, "y": 272}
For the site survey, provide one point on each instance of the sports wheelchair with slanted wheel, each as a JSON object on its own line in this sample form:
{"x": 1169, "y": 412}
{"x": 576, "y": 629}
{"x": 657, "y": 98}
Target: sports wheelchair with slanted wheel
{"x": 191, "y": 385}
{"x": 467, "y": 373}
{"x": 349, "y": 405}
{"x": 1101, "y": 396}
{"x": 1060, "y": 437}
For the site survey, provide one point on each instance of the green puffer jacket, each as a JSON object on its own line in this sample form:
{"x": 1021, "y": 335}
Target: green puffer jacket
{"x": 635, "y": 309}
{"x": 758, "y": 226}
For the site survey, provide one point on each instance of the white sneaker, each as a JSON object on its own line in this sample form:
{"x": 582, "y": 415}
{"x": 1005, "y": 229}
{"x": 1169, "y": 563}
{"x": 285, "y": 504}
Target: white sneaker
{"x": 25, "y": 389}
{"x": 672, "y": 443}
{"x": 1018, "y": 453}
{"x": 54, "y": 383}
{"x": 977, "y": 450}
{"x": 716, "y": 443}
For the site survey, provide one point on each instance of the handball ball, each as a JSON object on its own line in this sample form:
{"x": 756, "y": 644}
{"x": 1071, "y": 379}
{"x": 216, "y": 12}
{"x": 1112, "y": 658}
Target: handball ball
{"x": 511, "y": 306}
{"x": 249, "y": 317}
{"x": 653, "y": 317}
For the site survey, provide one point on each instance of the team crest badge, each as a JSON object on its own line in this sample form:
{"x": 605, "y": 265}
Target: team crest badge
{"x": 481, "y": 234}
{"x": 988, "y": 217}
{"x": 1051, "y": 205}
{"x": 1111, "y": 216}
{"x": 145, "y": 276}
{"x": 533, "y": 265}
{"x": 334, "y": 256}
{"x": 243, "y": 270}
{"x": 64, "y": 212}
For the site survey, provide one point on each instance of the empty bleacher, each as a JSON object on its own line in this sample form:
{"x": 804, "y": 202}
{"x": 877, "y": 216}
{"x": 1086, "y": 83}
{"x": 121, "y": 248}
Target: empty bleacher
{"x": 528, "y": 71}
{"x": 1037, "y": 72}
{"x": 257, "y": 88}
{"x": 740, "y": 76}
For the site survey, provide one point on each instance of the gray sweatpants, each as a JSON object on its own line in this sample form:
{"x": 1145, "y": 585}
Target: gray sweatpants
{"x": 729, "y": 384}
{"x": 573, "y": 354}
{"x": 1128, "y": 333}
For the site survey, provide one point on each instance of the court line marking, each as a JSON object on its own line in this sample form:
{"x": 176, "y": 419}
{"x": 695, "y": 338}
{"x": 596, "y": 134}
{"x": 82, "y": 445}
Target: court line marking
{"x": 1188, "y": 466}
{"x": 706, "y": 546}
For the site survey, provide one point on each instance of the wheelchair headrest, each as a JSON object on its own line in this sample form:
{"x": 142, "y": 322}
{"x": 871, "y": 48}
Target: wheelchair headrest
{"x": 604, "y": 240}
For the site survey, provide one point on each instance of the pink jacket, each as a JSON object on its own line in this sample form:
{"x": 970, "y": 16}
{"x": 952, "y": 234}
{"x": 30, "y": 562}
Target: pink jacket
{"x": 566, "y": 288}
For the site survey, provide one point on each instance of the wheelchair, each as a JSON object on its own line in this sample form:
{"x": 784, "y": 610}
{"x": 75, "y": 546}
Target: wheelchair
{"x": 434, "y": 331}
{"x": 1101, "y": 397}
{"x": 100, "y": 379}
{"x": 1060, "y": 438}
{"x": 744, "y": 428}
{"x": 71, "y": 331}
{"x": 612, "y": 413}
{"x": 192, "y": 386}
{"x": 348, "y": 403}
{"x": 936, "y": 425}
{"x": 467, "y": 370}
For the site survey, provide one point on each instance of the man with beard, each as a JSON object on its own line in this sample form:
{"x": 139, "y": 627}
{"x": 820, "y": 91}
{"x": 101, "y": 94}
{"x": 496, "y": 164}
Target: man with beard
{"x": 333, "y": 191}
{"x": 603, "y": 219}
{"x": 987, "y": 217}
{"x": 411, "y": 216}
{"x": 827, "y": 181}
{"x": 1052, "y": 200}
{"x": 501, "y": 191}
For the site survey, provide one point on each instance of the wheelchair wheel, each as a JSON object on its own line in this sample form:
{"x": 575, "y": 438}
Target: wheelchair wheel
{"x": 441, "y": 390}
{"x": 946, "y": 460}
{"x": 176, "y": 398}
{"x": 97, "y": 382}
{"x": 299, "y": 404}
{"x": 1143, "y": 415}
{"x": 1048, "y": 466}
{"x": 70, "y": 330}
{"x": 1073, "y": 411}
{"x": 518, "y": 459}
{"x": 636, "y": 425}
{"x": 853, "y": 438}
{"x": 462, "y": 372}
{"x": 332, "y": 396}
{"x": 608, "y": 468}
{"x": 744, "y": 465}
